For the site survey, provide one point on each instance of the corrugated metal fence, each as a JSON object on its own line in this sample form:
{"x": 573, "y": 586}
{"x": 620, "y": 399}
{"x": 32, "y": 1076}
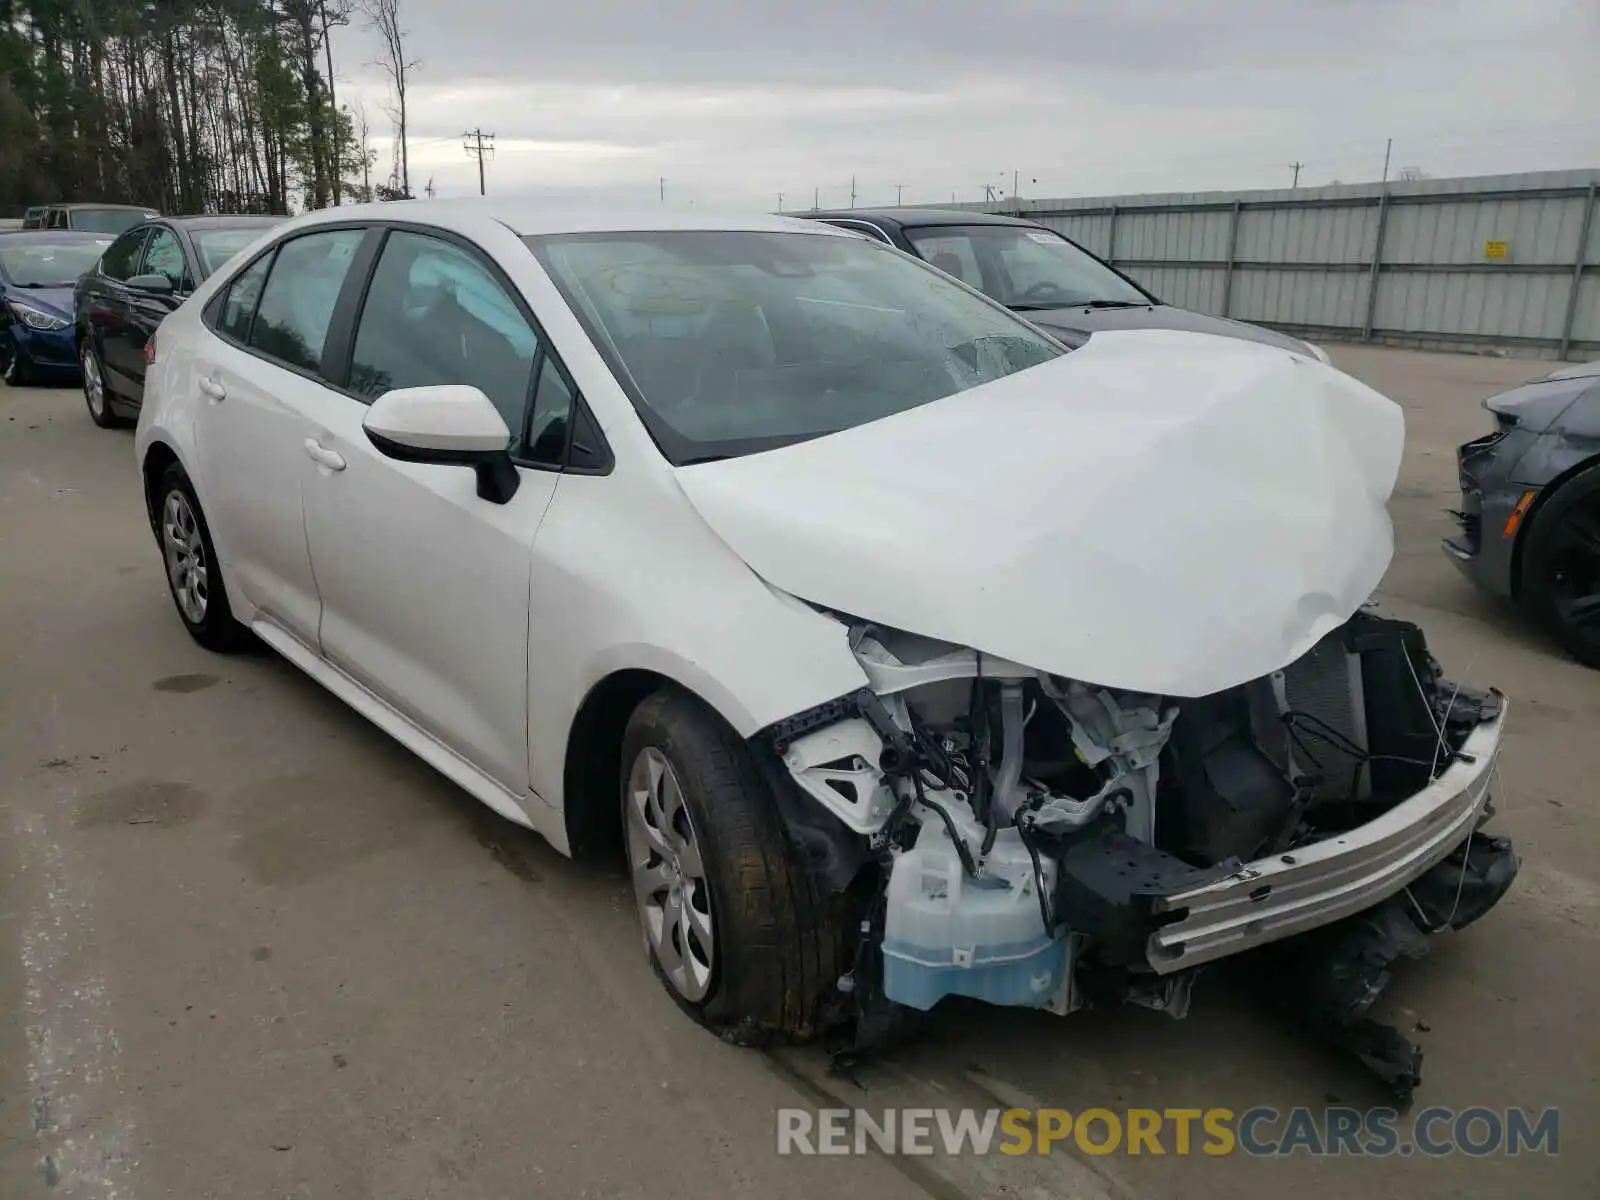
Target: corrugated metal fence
{"x": 1507, "y": 261}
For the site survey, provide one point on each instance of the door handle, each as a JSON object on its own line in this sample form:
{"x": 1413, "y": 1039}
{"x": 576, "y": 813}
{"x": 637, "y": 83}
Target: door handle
{"x": 214, "y": 389}
{"x": 324, "y": 457}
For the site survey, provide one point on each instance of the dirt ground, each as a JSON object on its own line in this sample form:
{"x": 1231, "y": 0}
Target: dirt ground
{"x": 250, "y": 947}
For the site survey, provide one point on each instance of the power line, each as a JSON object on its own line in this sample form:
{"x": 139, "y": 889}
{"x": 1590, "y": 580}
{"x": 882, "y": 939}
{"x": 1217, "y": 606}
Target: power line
{"x": 473, "y": 141}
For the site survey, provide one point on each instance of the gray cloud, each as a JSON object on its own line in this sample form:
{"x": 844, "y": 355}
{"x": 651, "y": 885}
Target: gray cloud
{"x": 736, "y": 102}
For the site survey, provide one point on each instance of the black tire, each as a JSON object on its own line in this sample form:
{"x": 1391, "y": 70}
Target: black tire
{"x": 777, "y": 957}
{"x": 91, "y": 370}
{"x": 215, "y": 627}
{"x": 1562, "y": 562}
{"x": 15, "y": 370}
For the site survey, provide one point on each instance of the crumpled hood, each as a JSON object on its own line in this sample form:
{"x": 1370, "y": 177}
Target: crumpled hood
{"x": 1159, "y": 511}
{"x": 1078, "y": 323}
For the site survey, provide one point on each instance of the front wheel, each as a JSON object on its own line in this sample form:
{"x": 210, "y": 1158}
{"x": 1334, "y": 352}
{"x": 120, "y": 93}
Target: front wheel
{"x": 193, "y": 573}
{"x": 1561, "y": 581}
{"x": 14, "y": 368}
{"x": 95, "y": 393}
{"x": 731, "y": 924}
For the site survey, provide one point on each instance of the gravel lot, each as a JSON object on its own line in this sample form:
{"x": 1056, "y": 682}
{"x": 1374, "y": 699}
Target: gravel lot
{"x": 250, "y": 947}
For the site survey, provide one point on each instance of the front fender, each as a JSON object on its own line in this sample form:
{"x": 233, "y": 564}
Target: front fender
{"x": 627, "y": 577}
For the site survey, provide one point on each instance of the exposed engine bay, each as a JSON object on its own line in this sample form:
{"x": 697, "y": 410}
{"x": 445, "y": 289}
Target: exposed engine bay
{"x": 1036, "y": 841}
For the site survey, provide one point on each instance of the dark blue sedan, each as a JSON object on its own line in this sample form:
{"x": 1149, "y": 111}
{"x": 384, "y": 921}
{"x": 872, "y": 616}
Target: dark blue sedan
{"x": 37, "y": 271}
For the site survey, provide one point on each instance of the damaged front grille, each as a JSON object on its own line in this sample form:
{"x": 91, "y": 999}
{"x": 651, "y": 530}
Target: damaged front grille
{"x": 1041, "y": 842}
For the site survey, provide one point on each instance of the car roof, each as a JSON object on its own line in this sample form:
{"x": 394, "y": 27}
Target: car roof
{"x": 143, "y": 208}
{"x": 203, "y": 221}
{"x": 53, "y": 235}
{"x": 913, "y": 218}
{"x": 529, "y": 218}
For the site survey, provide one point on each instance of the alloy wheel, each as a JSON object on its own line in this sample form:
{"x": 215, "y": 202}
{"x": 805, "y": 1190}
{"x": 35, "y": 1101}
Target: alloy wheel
{"x": 185, "y": 553}
{"x": 1575, "y": 587}
{"x": 94, "y": 388}
{"x": 669, "y": 875}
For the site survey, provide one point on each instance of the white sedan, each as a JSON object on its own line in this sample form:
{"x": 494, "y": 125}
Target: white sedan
{"x": 904, "y": 652}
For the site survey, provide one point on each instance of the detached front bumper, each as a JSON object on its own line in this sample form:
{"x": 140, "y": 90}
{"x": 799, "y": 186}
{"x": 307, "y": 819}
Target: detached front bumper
{"x": 1275, "y": 898}
{"x": 1492, "y": 509}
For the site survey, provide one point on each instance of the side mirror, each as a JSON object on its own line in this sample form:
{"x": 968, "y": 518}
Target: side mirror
{"x": 446, "y": 425}
{"x": 156, "y": 285}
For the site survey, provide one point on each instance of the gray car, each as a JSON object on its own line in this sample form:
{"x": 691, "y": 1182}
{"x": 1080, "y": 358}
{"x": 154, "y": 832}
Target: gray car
{"x": 1035, "y": 271}
{"x": 1530, "y": 505}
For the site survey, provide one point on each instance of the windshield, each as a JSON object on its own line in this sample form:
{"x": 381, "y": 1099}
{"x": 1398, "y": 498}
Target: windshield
{"x": 108, "y": 220}
{"x": 1021, "y": 266}
{"x": 46, "y": 264}
{"x": 217, "y": 246}
{"x": 733, "y": 343}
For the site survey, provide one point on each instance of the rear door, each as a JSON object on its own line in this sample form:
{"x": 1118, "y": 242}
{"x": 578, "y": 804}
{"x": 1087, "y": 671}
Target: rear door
{"x": 260, "y": 383}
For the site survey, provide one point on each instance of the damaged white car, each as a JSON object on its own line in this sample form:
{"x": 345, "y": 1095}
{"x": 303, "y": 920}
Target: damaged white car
{"x": 906, "y": 653}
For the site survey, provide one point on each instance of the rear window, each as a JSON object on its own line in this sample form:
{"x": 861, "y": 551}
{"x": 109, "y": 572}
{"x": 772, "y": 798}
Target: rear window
{"x": 109, "y": 220}
{"x": 217, "y": 246}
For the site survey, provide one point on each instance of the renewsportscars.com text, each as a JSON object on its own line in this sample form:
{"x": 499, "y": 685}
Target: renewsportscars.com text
{"x": 1260, "y": 1132}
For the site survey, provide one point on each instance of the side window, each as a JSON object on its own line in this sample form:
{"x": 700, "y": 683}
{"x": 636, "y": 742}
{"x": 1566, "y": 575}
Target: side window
{"x": 552, "y": 414}
{"x": 119, "y": 259}
{"x": 434, "y": 314}
{"x": 239, "y": 302}
{"x": 297, "y": 302}
{"x": 58, "y": 218}
{"x": 163, "y": 255}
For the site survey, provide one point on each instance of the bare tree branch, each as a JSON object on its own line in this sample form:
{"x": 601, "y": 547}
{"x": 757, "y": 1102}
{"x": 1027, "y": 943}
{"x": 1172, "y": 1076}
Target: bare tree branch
{"x": 383, "y": 18}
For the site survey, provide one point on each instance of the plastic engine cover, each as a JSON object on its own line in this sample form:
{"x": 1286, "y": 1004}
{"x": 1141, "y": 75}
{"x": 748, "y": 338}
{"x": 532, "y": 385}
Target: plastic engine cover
{"x": 947, "y": 934}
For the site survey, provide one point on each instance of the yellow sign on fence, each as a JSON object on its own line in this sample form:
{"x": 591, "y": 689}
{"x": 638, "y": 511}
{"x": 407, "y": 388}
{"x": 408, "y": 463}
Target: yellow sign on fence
{"x": 1495, "y": 249}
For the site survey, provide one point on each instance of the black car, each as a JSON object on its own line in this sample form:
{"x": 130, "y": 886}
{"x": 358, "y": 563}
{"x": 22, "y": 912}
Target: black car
{"x": 1033, "y": 270}
{"x": 1530, "y": 505}
{"x": 89, "y": 218}
{"x": 144, "y": 275}
{"x": 38, "y": 268}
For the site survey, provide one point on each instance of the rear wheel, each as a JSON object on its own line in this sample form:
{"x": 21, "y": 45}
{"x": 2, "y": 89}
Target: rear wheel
{"x": 1561, "y": 579}
{"x": 193, "y": 573}
{"x": 730, "y": 922}
{"x": 95, "y": 393}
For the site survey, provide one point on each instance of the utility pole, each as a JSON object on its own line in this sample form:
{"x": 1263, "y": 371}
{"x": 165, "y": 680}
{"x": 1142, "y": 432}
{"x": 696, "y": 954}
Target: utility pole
{"x": 852, "y": 191}
{"x": 780, "y": 201}
{"x": 663, "y": 182}
{"x": 474, "y": 141}
{"x": 899, "y": 190}
{"x": 1388, "y": 148}
{"x": 428, "y": 191}
{"x": 816, "y": 198}
{"x": 1296, "y": 166}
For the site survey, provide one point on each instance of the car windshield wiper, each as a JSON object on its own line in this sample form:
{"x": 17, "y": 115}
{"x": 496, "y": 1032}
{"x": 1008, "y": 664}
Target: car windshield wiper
{"x": 1113, "y": 304}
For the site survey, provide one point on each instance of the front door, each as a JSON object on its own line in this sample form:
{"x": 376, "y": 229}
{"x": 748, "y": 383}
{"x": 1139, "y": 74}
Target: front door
{"x": 110, "y": 312}
{"x": 424, "y": 585}
{"x": 163, "y": 256}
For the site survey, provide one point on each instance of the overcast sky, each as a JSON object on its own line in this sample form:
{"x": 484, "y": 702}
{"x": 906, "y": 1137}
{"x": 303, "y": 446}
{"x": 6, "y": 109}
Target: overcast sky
{"x": 734, "y": 102}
